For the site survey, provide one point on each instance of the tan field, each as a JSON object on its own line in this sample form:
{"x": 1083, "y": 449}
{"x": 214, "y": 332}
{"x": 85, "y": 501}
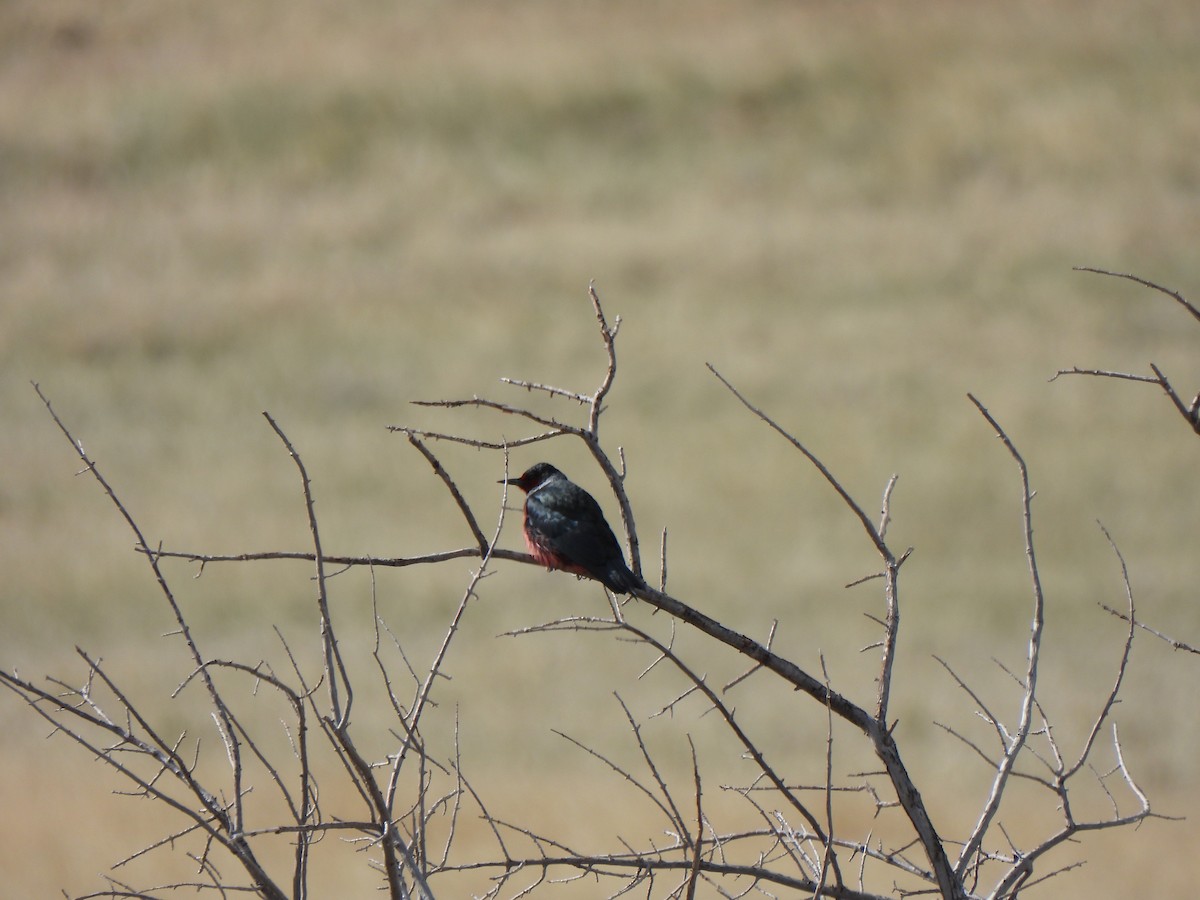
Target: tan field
{"x": 857, "y": 212}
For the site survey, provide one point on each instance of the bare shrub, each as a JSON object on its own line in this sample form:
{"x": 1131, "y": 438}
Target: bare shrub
{"x": 266, "y": 784}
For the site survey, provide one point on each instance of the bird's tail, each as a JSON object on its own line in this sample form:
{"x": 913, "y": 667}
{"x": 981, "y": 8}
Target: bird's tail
{"x": 619, "y": 579}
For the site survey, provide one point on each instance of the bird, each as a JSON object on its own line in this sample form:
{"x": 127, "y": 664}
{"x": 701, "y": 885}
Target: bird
{"x": 565, "y": 529}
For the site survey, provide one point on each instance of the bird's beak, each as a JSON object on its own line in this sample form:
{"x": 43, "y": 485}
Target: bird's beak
{"x": 509, "y": 481}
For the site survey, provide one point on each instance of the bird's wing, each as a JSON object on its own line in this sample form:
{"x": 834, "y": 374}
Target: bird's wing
{"x": 575, "y": 526}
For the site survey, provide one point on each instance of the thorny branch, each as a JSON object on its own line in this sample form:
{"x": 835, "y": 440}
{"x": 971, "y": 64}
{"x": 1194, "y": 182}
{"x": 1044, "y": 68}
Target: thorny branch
{"x": 1016, "y": 742}
{"x": 159, "y": 769}
{"x": 230, "y": 818}
{"x": 808, "y": 858}
{"x": 1189, "y": 411}
{"x": 1062, "y": 772}
{"x": 1174, "y": 295}
{"x": 334, "y": 665}
{"x": 1174, "y": 643}
{"x": 875, "y": 727}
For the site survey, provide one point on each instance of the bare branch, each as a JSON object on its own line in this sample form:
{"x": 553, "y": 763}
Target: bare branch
{"x": 1017, "y": 740}
{"x": 1174, "y": 295}
{"x": 469, "y": 594}
{"x": 531, "y": 386}
{"x": 1190, "y": 412}
{"x": 608, "y": 336}
{"x": 454, "y": 492}
{"x": 334, "y": 664}
{"x": 697, "y": 842}
{"x": 474, "y": 442}
{"x": 1175, "y": 644}
{"x": 850, "y": 502}
{"x": 382, "y": 562}
{"x": 1103, "y": 373}
{"x": 891, "y": 563}
{"x": 1111, "y": 699}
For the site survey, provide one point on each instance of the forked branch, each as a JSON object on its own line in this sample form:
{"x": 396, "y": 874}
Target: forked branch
{"x": 1189, "y": 411}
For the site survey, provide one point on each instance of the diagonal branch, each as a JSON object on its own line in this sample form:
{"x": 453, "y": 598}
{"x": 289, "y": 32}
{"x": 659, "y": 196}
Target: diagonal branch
{"x": 1174, "y": 295}
{"x": 1190, "y": 412}
{"x": 334, "y": 664}
{"x": 1173, "y": 642}
{"x": 752, "y": 750}
{"x": 891, "y": 624}
{"x": 1122, "y": 666}
{"x": 441, "y": 472}
{"x": 850, "y": 502}
{"x": 221, "y": 711}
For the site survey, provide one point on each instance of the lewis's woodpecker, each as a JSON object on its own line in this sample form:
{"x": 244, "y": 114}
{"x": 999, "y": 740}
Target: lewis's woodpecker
{"x": 565, "y": 529}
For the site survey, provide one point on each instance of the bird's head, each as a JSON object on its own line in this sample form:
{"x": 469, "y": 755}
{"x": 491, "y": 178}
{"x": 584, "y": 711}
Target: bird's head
{"x": 533, "y": 477}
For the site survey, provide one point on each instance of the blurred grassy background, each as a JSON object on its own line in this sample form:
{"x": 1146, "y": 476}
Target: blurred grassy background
{"x": 856, "y": 211}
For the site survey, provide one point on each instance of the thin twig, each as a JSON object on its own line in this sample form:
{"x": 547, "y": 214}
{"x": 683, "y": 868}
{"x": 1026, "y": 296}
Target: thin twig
{"x": 333, "y": 657}
{"x": 698, "y": 843}
{"x": 1122, "y": 665}
{"x": 1017, "y": 740}
{"x": 1175, "y": 644}
{"x": 1174, "y": 295}
{"x": 1103, "y": 373}
{"x": 441, "y": 472}
{"x": 850, "y": 502}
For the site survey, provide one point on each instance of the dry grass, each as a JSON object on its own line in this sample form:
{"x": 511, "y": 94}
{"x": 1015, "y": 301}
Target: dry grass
{"x": 858, "y": 212}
